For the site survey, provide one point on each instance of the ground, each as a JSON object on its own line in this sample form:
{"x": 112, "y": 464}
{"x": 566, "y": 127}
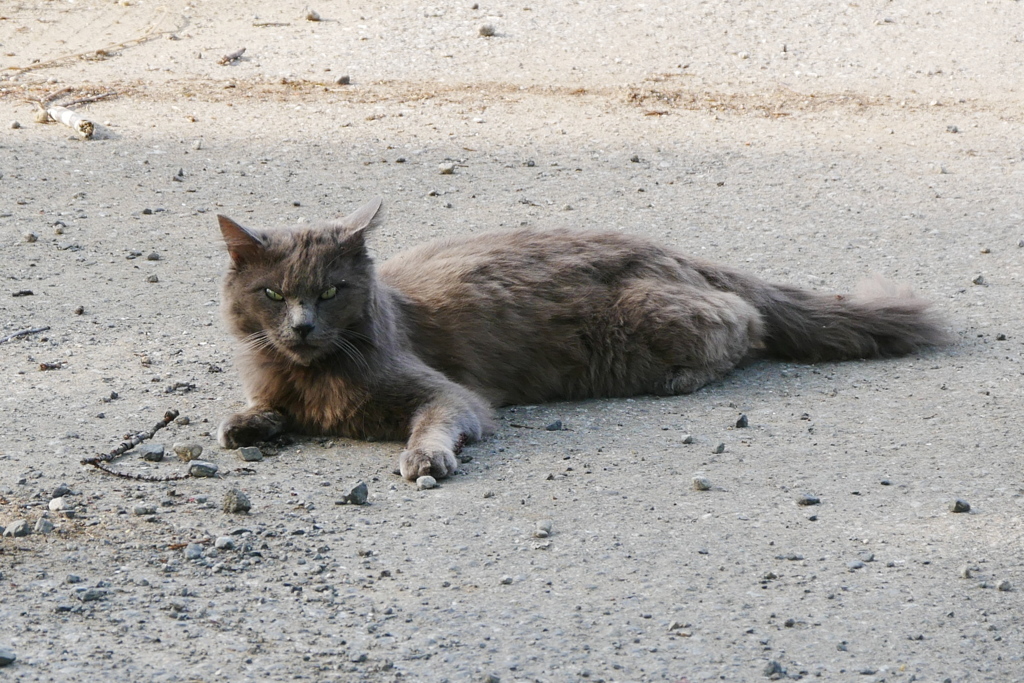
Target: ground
{"x": 811, "y": 142}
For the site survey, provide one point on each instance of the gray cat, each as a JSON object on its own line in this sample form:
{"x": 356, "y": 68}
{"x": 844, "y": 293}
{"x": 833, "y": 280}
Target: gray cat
{"x": 425, "y": 346}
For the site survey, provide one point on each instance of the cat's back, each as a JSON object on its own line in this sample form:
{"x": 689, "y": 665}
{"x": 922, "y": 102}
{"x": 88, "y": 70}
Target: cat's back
{"x": 542, "y": 261}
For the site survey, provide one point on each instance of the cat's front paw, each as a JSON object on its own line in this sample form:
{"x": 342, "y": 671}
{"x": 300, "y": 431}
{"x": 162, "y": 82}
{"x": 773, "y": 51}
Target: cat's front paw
{"x": 437, "y": 462}
{"x": 245, "y": 429}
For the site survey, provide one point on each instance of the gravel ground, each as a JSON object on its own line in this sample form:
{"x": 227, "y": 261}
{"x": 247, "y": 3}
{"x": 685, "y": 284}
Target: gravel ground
{"x": 809, "y": 142}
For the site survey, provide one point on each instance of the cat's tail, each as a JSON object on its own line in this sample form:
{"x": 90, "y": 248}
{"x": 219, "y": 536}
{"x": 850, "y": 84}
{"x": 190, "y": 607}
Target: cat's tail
{"x": 880, "y": 319}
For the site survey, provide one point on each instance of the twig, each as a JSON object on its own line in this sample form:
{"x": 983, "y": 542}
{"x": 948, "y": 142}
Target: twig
{"x": 89, "y": 100}
{"x": 103, "y": 51}
{"x": 22, "y": 333}
{"x": 264, "y": 24}
{"x": 100, "y": 461}
{"x": 231, "y": 57}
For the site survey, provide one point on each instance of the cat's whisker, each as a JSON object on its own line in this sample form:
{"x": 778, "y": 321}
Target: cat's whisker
{"x": 352, "y": 352}
{"x": 257, "y": 341}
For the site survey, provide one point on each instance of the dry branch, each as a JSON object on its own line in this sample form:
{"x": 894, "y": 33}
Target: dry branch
{"x": 100, "y": 461}
{"x": 22, "y": 333}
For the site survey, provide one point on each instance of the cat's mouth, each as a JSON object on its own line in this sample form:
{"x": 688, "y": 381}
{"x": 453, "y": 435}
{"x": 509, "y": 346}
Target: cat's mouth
{"x": 302, "y": 353}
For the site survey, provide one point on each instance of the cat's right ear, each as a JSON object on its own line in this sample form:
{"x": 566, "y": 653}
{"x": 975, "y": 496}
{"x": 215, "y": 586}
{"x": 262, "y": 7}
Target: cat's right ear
{"x": 359, "y": 220}
{"x": 243, "y": 244}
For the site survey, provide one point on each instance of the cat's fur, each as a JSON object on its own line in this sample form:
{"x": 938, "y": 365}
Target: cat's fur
{"x": 424, "y": 347}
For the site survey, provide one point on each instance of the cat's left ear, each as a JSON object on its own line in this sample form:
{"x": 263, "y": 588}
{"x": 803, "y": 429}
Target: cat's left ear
{"x": 243, "y": 244}
{"x": 356, "y": 223}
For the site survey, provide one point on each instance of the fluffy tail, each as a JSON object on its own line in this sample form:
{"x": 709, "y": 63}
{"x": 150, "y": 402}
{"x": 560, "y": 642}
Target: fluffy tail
{"x": 879, "y": 320}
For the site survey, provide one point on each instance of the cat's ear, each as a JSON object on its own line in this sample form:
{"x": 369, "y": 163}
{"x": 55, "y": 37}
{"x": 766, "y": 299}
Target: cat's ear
{"x": 357, "y": 222}
{"x": 243, "y": 244}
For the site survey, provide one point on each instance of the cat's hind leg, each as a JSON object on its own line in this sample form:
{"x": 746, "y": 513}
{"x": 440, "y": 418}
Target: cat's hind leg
{"x": 691, "y": 335}
{"x": 252, "y": 426}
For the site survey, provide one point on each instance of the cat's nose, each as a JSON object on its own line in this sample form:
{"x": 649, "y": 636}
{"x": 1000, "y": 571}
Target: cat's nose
{"x": 302, "y": 329}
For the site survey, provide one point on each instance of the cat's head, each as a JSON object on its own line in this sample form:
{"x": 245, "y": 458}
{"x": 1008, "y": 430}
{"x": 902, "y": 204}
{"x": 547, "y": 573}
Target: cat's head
{"x": 299, "y": 292}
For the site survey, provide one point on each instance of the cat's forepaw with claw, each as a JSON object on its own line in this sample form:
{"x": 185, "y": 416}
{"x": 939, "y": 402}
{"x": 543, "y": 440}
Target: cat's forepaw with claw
{"x": 245, "y": 429}
{"x": 437, "y": 462}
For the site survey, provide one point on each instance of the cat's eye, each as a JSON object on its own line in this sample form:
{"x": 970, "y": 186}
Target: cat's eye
{"x": 272, "y": 295}
{"x": 329, "y": 293}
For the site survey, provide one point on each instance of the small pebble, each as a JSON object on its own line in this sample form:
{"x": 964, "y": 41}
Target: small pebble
{"x": 491, "y": 678}
{"x": 236, "y": 502}
{"x": 866, "y": 556}
{"x": 153, "y": 278}
{"x": 224, "y": 543}
{"x": 1004, "y": 586}
{"x": 7, "y": 656}
{"x": 773, "y": 668}
{"x": 193, "y": 551}
{"x": 187, "y": 451}
{"x": 30, "y": 237}
{"x": 357, "y": 494}
{"x": 342, "y": 80}
{"x": 701, "y": 483}
{"x": 720, "y": 448}
{"x": 153, "y": 256}
{"x": 543, "y": 529}
{"x": 426, "y": 482}
{"x": 965, "y": 572}
{"x": 687, "y": 438}
{"x": 14, "y": 125}
{"x": 960, "y": 505}
{"x": 808, "y": 499}
{"x": 43, "y": 526}
{"x": 250, "y": 454}
{"x": 446, "y": 169}
{"x": 151, "y": 452}
{"x": 140, "y": 510}
{"x": 742, "y": 422}
{"x": 555, "y": 426}
{"x": 183, "y": 420}
{"x": 58, "y": 504}
{"x": 61, "y": 491}
{"x": 18, "y": 527}
{"x": 506, "y": 580}
{"x": 73, "y": 578}
{"x": 202, "y": 468}
{"x": 978, "y": 280}
{"x": 855, "y": 564}
{"x": 487, "y": 30}
{"x": 312, "y": 15}
{"x": 79, "y": 310}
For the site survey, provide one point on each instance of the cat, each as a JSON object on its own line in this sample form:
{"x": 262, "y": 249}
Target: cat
{"x": 424, "y": 347}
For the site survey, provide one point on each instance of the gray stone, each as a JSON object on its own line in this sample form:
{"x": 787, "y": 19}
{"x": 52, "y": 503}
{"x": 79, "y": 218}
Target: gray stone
{"x": 808, "y": 499}
{"x": 446, "y": 169}
{"x": 57, "y": 505}
{"x": 774, "y": 670}
{"x": 151, "y": 452}
{"x": 487, "y": 31}
{"x": 193, "y": 551}
{"x": 144, "y": 509}
{"x": 7, "y": 656}
{"x": 720, "y": 448}
{"x": 426, "y": 482}
{"x": 202, "y": 468}
{"x": 701, "y": 483}
{"x": 687, "y": 438}
{"x": 1004, "y": 586}
{"x": 356, "y": 495}
{"x": 224, "y": 543}
{"x": 555, "y": 426}
{"x": 250, "y": 454}
{"x": 73, "y": 578}
{"x": 742, "y": 422}
{"x": 187, "y": 451}
{"x": 43, "y": 526}
{"x": 236, "y": 502}
{"x": 61, "y": 491}
{"x": 960, "y": 505}
{"x": 18, "y": 527}
{"x": 91, "y": 594}
{"x": 854, "y": 565}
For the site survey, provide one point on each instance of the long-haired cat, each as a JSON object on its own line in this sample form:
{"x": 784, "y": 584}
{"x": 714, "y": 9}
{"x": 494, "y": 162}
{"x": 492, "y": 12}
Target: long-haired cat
{"x": 423, "y": 347}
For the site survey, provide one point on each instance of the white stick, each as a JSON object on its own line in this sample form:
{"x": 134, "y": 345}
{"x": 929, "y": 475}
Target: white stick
{"x": 72, "y": 120}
